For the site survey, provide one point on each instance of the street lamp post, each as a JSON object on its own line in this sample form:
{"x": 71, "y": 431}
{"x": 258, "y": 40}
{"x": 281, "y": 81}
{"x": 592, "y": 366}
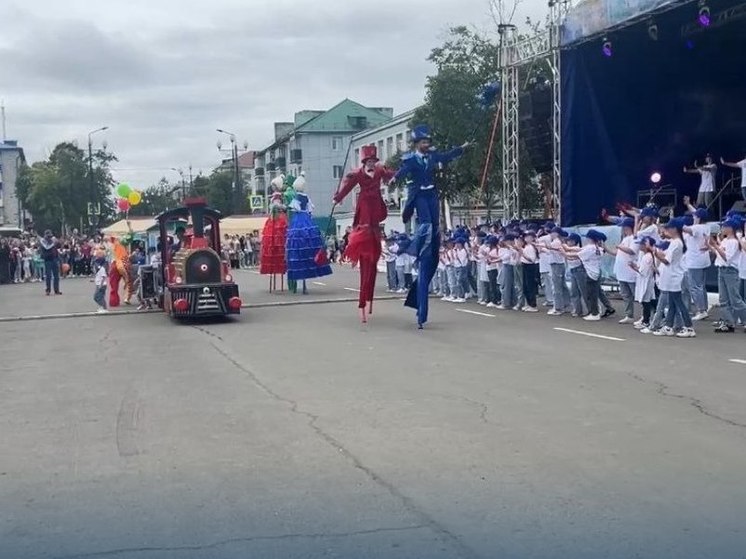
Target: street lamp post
{"x": 95, "y": 207}
{"x": 237, "y": 188}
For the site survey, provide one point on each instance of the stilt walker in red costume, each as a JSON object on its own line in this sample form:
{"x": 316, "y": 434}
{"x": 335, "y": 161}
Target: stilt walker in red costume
{"x": 364, "y": 244}
{"x": 272, "y": 261}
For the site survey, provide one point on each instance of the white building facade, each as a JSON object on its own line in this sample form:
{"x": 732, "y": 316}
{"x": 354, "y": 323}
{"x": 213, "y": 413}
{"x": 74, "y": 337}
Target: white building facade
{"x": 11, "y": 159}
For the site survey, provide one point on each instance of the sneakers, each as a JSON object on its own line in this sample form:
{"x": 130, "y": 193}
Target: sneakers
{"x": 444, "y": 298}
{"x": 459, "y": 300}
{"x": 639, "y": 325}
{"x": 102, "y": 310}
{"x": 647, "y": 330}
{"x": 700, "y": 316}
{"x": 517, "y": 308}
{"x": 627, "y": 320}
{"x": 592, "y": 317}
{"x": 491, "y": 305}
{"x": 608, "y": 312}
{"x": 141, "y": 307}
{"x": 724, "y": 328}
{"x": 665, "y": 331}
{"x": 501, "y": 307}
{"x": 686, "y": 333}
{"x": 553, "y": 312}
{"x": 483, "y": 303}
{"x": 530, "y": 309}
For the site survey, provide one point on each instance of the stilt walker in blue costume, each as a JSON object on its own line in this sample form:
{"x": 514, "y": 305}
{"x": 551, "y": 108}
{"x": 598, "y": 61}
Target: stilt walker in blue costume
{"x": 303, "y": 240}
{"x": 420, "y": 166}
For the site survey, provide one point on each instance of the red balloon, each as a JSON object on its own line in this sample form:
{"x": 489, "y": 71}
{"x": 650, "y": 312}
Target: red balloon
{"x": 123, "y": 204}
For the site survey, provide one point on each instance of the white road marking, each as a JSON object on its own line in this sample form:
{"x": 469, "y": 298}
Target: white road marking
{"x": 352, "y": 289}
{"x": 589, "y": 334}
{"x": 254, "y": 272}
{"x": 476, "y": 313}
{"x": 318, "y": 283}
{"x": 739, "y": 361}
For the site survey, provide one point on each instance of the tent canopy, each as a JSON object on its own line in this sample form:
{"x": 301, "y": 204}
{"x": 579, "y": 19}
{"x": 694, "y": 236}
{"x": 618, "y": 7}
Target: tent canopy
{"x": 241, "y": 224}
{"x": 139, "y": 225}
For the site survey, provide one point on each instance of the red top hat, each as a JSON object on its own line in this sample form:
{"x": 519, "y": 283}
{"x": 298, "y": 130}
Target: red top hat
{"x": 368, "y": 152}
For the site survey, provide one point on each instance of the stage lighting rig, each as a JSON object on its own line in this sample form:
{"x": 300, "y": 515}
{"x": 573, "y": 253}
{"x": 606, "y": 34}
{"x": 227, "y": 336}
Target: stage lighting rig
{"x": 704, "y": 14}
{"x": 607, "y": 48}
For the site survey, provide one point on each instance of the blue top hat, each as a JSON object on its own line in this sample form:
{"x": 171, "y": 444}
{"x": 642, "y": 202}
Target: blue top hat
{"x": 421, "y": 132}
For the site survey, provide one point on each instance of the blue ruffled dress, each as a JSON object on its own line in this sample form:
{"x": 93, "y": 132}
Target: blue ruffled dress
{"x": 303, "y": 242}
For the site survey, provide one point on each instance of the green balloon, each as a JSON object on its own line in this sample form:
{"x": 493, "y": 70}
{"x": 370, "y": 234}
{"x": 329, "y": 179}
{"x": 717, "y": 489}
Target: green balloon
{"x": 123, "y": 190}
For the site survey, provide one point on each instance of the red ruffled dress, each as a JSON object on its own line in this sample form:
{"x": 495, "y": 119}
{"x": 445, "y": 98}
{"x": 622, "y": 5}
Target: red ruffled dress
{"x": 274, "y": 235}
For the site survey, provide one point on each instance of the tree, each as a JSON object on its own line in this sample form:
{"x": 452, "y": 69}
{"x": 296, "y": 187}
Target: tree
{"x": 219, "y": 191}
{"x": 156, "y": 199}
{"x": 58, "y": 191}
{"x": 465, "y": 63}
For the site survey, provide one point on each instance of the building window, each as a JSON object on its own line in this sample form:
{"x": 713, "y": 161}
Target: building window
{"x": 357, "y": 157}
{"x": 389, "y": 147}
{"x": 338, "y": 171}
{"x": 337, "y": 143}
{"x": 380, "y": 150}
{"x": 400, "y": 142}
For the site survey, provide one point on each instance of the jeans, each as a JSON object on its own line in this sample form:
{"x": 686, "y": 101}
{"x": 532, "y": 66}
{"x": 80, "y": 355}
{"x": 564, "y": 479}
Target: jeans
{"x": 100, "y": 296}
{"x": 627, "y": 290}
{"x": 697, "y": 288}
{"x": 731, "y": 302}
{"x": 578, "y": 282}
{"x": 530, "y": 283}
{"x": 676, "y": 307}
{"x": 451, "y": 276}
{"x": 443, "y": 283}
{"x": 561, "y": 293}
{"x": 400, "y": 280}
{"x": 647, "y": 310}
{"x": 660, "y": 312}
{"x": 52, "y": 274}
{"x": 461, "y": 281}
{"x": 704, "y": 199}
{"x": 520, "y": 299}
{"x": 391, "y": 275}
{"x": 546, "y": 282}
{"x": 493, "y": 295}
{"x": 593, "y": 290}
{"x": 507, "y": 286}
{"x": 472, "y": 278}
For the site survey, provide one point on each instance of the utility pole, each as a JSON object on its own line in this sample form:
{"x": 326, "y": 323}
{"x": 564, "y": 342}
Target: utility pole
{"x": 94, "y": 205}
{"x": 2, "y": 118}
{"x": 191, "y": 181}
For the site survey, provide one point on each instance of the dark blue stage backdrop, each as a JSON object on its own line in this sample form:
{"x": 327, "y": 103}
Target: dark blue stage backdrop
{"x": 651, "y": 106}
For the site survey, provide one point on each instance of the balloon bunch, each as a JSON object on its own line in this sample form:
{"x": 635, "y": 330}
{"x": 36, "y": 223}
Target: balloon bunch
{"x": 128, "y": 197}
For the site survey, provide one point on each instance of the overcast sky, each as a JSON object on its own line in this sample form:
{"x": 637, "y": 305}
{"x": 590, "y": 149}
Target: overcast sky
{"x": 164, "y": 74}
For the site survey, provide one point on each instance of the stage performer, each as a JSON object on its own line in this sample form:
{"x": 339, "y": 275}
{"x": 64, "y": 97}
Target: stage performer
{"x": 303, "y": 241}
{"x": 274, "y": 234}
{"x": 120, "y": 268}
{"x": 288, "y": 195}
{"x": 364, "y": 243}
{"x": 420, "y": 166}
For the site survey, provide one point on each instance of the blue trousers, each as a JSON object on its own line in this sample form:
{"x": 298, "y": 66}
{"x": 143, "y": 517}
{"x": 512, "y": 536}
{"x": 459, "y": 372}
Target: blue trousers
{"x": 52, "y": 275}
{"x": 427, "y": 245}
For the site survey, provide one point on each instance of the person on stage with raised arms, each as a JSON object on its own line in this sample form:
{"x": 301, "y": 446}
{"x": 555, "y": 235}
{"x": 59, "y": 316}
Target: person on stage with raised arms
{"x": 420, "y": 166}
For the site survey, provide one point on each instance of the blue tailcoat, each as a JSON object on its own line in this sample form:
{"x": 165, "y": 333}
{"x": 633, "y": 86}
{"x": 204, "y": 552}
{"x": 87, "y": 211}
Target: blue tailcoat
{"x": 422, "y": 199}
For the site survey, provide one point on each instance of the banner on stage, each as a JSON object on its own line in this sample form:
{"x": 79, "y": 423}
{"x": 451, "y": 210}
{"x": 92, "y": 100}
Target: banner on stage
{"x": 594, "y": 16}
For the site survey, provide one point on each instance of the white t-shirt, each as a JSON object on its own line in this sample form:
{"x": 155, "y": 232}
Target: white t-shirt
{"x": 529, "y": 255}
{"x": 505, "y": 255}
{"x": 493, "y": 259}
{"x": 100, "y": 279}
{"x": 544, "y": 258}
{"x": 622, "y": 271}
{"x": 742, "y": 165}
{"x": 708, "y": 178}
{"x": 742, "y": 265}
{"x": 672, "y": 274}
{"x": 590, "y": 256}
{"x": 515, "y": 257}
{"x": 555, "y": 256}
{"x": 461, "y": 258}
{"x": 732, "y": 250}
{"x": 695, "y": 258}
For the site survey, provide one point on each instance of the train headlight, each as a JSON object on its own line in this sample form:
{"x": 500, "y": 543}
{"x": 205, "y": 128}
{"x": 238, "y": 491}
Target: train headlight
{"x": 228, "y": 277}
{"x": 178, "y": 279}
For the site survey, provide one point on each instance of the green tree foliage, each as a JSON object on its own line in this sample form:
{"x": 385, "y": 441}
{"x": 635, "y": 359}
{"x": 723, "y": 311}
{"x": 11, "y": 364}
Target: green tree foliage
{"x": 464, "y": 63}
{"x": 219, "y": 192}
{"x": 157, "y": 198}
{"x": 58, "y": 191}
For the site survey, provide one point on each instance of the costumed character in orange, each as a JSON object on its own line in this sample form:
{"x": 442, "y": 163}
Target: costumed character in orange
{"x": 274, "y": 235}
{"x": 120, "y": 270}
{"x": 364, "y": 243}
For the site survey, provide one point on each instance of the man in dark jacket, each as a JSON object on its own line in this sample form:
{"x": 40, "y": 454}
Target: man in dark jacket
{"x": 50, "y": 254}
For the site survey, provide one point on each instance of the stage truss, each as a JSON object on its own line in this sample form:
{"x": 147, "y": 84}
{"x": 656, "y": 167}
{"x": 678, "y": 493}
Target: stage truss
{"x": 515, "y": 52}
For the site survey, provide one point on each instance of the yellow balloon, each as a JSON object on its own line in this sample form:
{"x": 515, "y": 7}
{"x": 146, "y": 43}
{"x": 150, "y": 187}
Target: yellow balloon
{"x": 134, "y": 198}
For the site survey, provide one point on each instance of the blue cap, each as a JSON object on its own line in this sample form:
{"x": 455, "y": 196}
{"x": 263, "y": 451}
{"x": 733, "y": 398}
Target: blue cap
{"x": 594, "y": 235}
{"x": 421, "y": 132}
{"x": 509, "y": 237}
{"x": 649, "y": 211}
{"x": 688, "y": 220}
{"x": 575, "y": 238}
{"x": 649, "y": 240}
{"x": 732, "y": 223}
{"x": 530, "y": 233}
{"x": 663, "y": 245}
{"x": 627, "y": 222}
{"x": 700, "y": 213}
{"x": 492, "y": 240}
{"x": 557, "y": 230}
{"x": 674, "y": 223}
{"x": 549, "y": 225}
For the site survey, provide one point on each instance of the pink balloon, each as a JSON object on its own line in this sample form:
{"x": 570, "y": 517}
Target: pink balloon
{"x": 123, "y": 204}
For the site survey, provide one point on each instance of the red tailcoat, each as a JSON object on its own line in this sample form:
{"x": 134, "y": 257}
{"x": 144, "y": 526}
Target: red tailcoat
{"x": 364, "y": 243}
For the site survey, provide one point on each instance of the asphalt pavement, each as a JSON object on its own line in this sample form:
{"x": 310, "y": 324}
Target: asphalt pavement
{"x": 294, "y": 431}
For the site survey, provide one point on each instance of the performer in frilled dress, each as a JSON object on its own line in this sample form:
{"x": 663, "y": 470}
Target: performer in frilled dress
{"x": 303, "y": 241}
{"x": 420, "y": 166}
{"x": 364, "y": 243}
{"x": 274, "y": 234}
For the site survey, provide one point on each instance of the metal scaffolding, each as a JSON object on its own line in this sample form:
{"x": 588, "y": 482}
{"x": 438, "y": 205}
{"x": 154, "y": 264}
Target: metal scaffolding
{"x": 515, "y": 52}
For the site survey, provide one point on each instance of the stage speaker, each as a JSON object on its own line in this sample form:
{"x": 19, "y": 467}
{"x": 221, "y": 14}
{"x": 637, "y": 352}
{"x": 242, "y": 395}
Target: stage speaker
{"x": 739, "y": 206}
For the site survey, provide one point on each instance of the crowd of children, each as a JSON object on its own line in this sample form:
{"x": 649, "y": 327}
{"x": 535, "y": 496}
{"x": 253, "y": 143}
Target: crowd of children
{"x": 659, "y": 269}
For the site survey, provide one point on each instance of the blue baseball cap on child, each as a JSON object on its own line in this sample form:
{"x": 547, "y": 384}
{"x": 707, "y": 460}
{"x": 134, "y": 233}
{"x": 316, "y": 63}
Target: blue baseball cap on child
{"x": 594, "y": 235}
{"x": 627, "y": 222}
{"x": 575, "y": 238}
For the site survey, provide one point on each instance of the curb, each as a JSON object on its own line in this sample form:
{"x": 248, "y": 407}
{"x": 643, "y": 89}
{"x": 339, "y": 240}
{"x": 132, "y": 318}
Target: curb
{"x": 270, "y": 305}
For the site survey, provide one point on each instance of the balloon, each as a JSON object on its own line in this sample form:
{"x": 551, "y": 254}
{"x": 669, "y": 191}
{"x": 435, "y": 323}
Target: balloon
{"x": 123, "y": 204}
{"x": 123, "y": 190}
{"x": 134, "y": 198}
{"x": 65, "y": 268}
